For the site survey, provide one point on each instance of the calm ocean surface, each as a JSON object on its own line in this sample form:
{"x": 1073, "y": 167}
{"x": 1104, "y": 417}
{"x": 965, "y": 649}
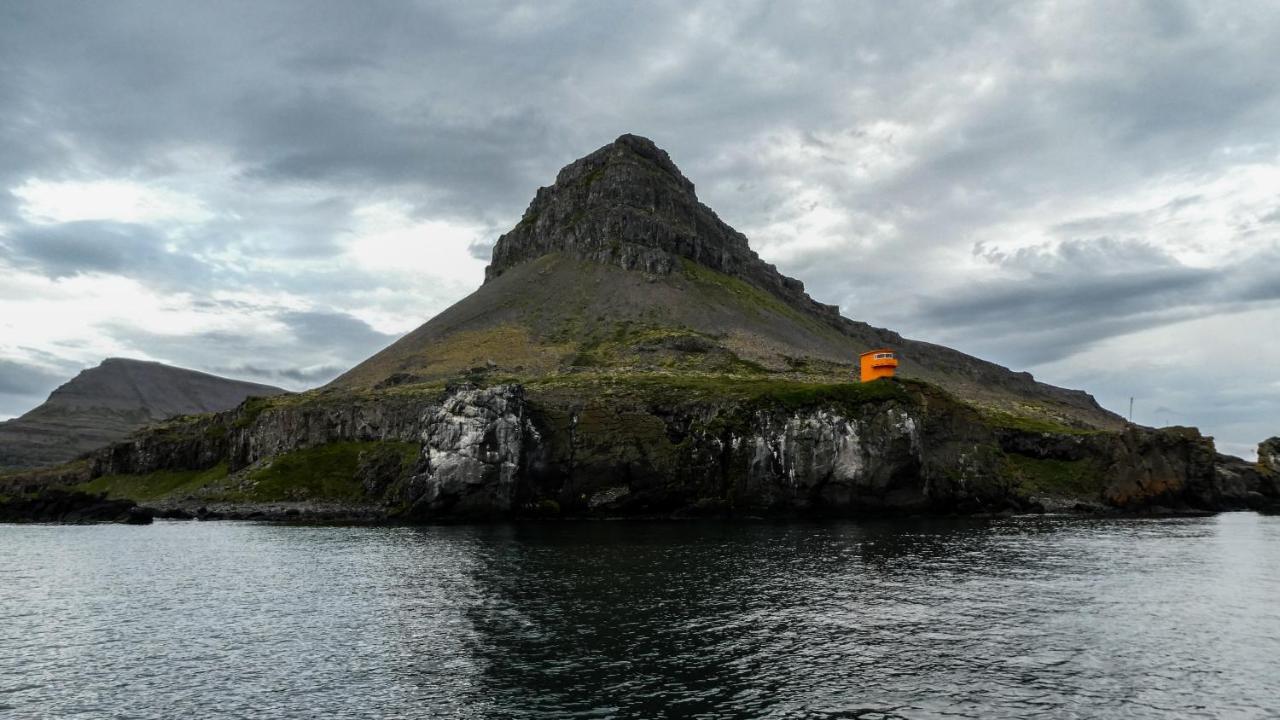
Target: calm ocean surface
{"x": 1015, "y": 618}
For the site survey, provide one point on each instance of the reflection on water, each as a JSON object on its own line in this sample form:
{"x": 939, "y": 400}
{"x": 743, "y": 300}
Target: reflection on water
{"x": 946, "y": 618}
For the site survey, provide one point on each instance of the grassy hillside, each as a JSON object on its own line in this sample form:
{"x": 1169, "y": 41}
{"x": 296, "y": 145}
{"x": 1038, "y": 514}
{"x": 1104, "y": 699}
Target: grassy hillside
{"x": 562, "y": 316}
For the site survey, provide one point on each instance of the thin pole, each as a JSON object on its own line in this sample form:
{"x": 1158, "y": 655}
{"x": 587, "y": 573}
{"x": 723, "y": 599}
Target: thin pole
{"x": 1131, "y": 410}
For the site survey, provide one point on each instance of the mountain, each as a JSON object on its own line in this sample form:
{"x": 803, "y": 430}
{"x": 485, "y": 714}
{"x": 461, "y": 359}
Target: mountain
{"x": 617, "y": 267}
{"x": 629, "y": 355}
{"x": 106, "y": 403}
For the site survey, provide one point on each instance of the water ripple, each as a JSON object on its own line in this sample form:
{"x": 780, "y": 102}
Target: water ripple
{"x": 1040, "y": 617}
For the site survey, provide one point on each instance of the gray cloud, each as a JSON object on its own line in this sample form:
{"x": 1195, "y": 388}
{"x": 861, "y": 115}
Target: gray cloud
{"x": 1071, "y": 295}
{"x": 105, "y": 247}
{"x": 23, "y": 386}
{"x": 338, "y": 331}
{"x": 316, "y": 347}
{"x": 22, "y": 379}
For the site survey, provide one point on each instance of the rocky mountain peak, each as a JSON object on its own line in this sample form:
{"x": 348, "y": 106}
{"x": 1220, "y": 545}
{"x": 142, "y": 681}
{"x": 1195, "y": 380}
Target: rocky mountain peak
{"x": 627, "y": 204}
{"x": 626, "y": 160}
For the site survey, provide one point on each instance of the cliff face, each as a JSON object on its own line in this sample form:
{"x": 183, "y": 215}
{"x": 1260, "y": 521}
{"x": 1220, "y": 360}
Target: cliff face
{"x": 772, "y": 449}
{"x": 108, "y": 402}
{"x": 1269, "y": 455}
{"x": 628, "y": 205}
{"x": 1243, "y": 484}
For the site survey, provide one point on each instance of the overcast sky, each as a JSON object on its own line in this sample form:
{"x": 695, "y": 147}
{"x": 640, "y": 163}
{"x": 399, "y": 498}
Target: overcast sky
{"x": 273, "y": 191}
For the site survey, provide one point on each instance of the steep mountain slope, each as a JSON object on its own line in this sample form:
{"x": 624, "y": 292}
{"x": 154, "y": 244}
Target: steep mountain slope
{"x": 106, "y": 403}
{"x": 618, "y": 268}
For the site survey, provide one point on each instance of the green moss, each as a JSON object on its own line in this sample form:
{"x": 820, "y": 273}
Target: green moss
{"x": 1069, "y": 478}
{"x": 157, "y": 485}
{"x": 743, "y": 294}
{"x": 742, "y": 291}
{"x": 765, "y": 391}
{"x": 795, "y": 395}
{"x": 1003, "y": 419}
{"x": 250, "y": 409}
{"x": 585, "y": 359}
{"x": 327, "y": 472}
{"x": 633, "y": 347}
{"x": 590, "y": 178}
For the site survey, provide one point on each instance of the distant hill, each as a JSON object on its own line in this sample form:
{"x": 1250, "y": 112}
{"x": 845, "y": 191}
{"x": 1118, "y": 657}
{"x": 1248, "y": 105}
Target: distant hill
{"x": 617, "y": 267}
{"x": 106, "y": 403}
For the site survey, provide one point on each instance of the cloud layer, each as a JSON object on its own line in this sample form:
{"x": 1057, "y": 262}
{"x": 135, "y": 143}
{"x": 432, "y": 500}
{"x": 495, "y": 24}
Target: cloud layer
{"x": 275, "y": 190}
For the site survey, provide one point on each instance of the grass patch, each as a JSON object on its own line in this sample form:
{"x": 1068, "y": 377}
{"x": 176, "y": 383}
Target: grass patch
{"x": 1004, "y": 419}
{"x": 327, "y": 472}
{"x": 745, "y": 295}
{"x": 742, "y": 291}
{"x": 772, "y": 392}
{"x": 1071, "y": 478}
{"x": 156, "y": 485}
{"x": 250, "y": 409}
{"x": 590, "y": 178}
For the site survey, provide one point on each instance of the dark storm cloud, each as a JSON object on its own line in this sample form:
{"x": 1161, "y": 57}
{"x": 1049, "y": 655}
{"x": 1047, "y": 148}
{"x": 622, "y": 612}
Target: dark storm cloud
{"x": 308, "y": 377}
{"x": 335, "y": 330}
{"x": 72, "y": 248}
{"x": 481, "y": 250}
{"x": 312, "y": 376}
{"x": 332, "y": 136}
{"x": 22, "y": 379}
{"x": 1071, "y": 295}
{"x": 23, "y": 386}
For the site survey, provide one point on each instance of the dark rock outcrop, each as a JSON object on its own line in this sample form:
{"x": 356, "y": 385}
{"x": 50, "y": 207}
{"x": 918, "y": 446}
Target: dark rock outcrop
{"x": 1140, "y": 467}
{"x": 60, "y": 505}
{"x": 847, "y": 450}
{"x": 1242, "y": 484}
{"x": 1269, "y": 455}
{"x": 1169, "y": 467}
{"x": 627, "y": 204}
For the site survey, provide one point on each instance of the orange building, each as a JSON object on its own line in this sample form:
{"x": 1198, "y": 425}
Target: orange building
{"x": 876, "y": 364}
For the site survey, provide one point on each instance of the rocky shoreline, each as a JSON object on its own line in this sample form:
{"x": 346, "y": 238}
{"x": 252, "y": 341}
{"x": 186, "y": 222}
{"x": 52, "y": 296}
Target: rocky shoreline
{"x": 671, "y": 448}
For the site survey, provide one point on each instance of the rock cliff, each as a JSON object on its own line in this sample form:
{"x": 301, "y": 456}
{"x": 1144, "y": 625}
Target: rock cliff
{"x": 657, "y": 447}
{"x": 1269, "y": 455}
{"x": 628, "y": 205}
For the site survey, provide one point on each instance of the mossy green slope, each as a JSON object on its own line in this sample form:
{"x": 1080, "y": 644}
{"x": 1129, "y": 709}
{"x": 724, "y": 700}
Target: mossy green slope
{"x": 559, "y": 315}
{"x": 326, "y": 473}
